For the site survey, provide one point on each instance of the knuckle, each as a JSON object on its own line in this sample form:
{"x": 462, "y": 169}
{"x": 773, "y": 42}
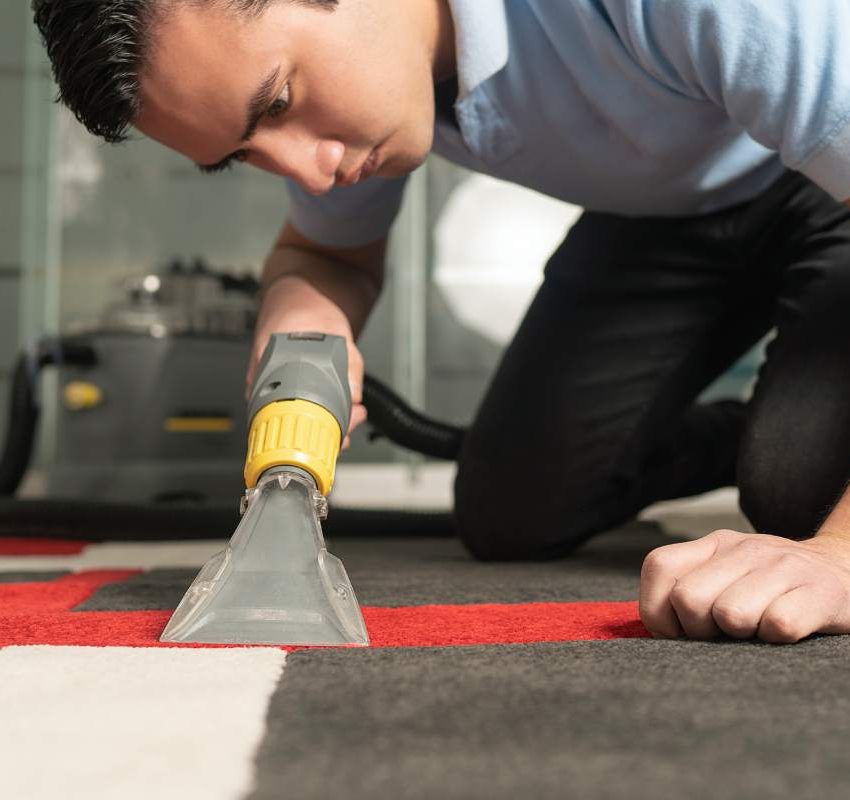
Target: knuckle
{"x": 792, "y": 561}
{"x": 779, "y": 627}
{"x": 733, "y": 619}
{"x": 726, "y": 533}
{"x": 751, "y": 548}
{"x": 657, "y": 561}
{"x": 685, "y": 599}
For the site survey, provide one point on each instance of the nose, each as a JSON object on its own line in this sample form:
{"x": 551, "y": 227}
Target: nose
{"x": 309, "y": 160}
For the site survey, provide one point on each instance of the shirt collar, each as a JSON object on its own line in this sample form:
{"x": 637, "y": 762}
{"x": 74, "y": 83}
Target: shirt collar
{"x": 481, "y": 40}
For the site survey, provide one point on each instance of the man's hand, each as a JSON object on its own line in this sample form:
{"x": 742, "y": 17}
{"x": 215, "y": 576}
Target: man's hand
{"x": 355, "y": 377}
{"x": 745, "y": 585}
{"x": 275, "y": 317}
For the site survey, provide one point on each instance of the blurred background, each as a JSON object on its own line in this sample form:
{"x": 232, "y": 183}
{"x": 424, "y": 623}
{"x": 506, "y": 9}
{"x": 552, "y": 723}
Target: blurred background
{"x": 78, "y": 218}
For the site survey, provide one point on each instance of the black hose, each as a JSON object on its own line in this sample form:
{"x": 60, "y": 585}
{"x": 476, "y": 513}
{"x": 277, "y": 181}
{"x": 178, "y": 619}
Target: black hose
{"x": 24, "y": 407}
{"x": 20, "y": 428}
{"x": 401, "y": 424}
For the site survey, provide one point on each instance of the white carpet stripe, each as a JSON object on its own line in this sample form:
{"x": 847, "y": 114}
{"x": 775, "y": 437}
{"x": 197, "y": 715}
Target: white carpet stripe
{"x": 131, "y": 723}
{"x": 120, "y": 555}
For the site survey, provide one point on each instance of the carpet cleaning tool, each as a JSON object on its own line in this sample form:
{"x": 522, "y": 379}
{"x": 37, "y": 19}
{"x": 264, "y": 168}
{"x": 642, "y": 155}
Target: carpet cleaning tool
{"x": 276, "y": 583}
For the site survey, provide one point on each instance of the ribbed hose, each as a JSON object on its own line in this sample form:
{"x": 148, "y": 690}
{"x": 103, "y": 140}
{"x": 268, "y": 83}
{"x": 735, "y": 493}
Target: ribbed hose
{"x": 20, "y": 428}
{"x": 408, "y": 428}
{"x": 24, "y": 408}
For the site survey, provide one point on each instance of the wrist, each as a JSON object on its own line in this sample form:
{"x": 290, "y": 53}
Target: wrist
{"x": 336, "y": 292}
{"x": 832, "y": 544}
{"x": 839, "y": 536}
{"x": 290, "y": 307}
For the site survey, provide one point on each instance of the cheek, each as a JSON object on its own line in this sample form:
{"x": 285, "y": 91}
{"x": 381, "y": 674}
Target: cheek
{"x": 366, "y": 104}
{"x": 419, "y": 125}
{"x": 346, "y": 113}
{"x": 369, "y": 98}
{"x": 260, "y": 162}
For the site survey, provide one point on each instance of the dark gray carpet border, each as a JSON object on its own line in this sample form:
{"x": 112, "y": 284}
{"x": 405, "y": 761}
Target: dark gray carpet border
{"x": 24, "y": 576}
{"x": 630, "y": 719}
{"x": 401, "y": 571}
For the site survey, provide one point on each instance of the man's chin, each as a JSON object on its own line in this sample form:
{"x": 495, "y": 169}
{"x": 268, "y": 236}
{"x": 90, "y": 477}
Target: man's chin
{"x": 399, "y": 167}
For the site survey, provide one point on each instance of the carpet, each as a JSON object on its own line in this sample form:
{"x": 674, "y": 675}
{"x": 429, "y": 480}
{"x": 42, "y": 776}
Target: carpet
{"x": 483, "y": 681}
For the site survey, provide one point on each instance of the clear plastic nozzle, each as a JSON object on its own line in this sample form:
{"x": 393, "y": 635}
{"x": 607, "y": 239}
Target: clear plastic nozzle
{"x": 275, "y": 583}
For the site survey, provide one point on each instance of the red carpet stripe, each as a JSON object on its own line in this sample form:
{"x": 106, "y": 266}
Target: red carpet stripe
{"x": 492, "y": 623}
{"x": 40, "y": 547}
{"x": 41, "y": 613}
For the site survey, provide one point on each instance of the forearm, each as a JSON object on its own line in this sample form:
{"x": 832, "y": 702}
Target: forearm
{"x": 837, "y": 524}
{"x": 301, "y": 285}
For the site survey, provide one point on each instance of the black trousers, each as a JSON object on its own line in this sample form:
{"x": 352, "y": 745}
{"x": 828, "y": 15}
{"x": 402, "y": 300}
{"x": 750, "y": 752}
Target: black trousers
{"x": 592, "y": 412}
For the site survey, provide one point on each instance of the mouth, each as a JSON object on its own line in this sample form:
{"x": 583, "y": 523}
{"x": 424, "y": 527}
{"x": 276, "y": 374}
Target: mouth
{"x": 365, "y": 170}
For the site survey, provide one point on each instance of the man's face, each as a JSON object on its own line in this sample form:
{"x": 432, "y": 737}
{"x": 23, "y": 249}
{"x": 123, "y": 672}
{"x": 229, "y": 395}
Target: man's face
{"x": 342, "y": 90}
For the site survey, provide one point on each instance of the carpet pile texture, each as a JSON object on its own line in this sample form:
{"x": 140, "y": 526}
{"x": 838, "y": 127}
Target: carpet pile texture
{"x": 483, "y": 681}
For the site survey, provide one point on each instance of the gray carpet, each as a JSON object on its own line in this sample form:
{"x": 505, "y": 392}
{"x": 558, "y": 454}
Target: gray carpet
{"x": 617, "y": 719}
{"x": 636, "y": 719}
{"x": 403, "y": 572}
{"x": 632, "y": 718}
{"x": 31, "y": 576}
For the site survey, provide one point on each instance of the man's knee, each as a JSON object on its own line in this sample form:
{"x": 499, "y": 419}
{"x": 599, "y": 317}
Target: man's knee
{"x": 777, "y": 502}
{"x": 507, "y": 513}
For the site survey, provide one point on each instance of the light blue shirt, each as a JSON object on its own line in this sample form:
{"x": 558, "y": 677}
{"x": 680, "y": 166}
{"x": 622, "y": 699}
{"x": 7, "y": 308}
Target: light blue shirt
{"x": 635, "y": 107}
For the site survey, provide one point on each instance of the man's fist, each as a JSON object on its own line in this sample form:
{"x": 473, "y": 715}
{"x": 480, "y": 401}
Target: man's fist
{"x": 746, "y": 585}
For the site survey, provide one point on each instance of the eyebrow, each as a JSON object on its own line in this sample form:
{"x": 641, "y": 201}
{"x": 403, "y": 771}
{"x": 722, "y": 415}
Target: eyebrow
{"x": 256, "y": 108}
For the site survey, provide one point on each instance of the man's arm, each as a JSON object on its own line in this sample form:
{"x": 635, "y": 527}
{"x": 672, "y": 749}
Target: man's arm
{"x": 306, "y": 286}
{"x": 836, "y": 527}
{"x": 332, "y": 286}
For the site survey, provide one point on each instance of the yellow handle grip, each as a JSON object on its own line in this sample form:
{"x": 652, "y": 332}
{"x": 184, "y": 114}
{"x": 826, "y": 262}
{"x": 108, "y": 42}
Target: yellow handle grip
{"x": 294, "y": 433}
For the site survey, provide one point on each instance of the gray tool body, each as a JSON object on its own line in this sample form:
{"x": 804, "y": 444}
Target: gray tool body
{"x": 304, "y": 366}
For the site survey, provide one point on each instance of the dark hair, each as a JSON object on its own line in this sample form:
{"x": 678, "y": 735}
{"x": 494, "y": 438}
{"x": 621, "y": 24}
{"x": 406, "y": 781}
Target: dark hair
{"x": 97, "y": 49}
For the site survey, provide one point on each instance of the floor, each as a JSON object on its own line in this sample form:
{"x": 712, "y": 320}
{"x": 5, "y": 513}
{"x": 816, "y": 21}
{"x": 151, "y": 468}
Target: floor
{"x": 483, "y": 680}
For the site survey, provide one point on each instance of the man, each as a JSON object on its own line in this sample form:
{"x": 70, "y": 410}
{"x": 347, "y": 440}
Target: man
{"x": 709, "y": 141}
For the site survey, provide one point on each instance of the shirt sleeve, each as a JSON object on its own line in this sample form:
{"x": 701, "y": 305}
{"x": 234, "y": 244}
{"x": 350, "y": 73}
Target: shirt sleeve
{"x": 347, "y": 216}
{"x": 779, "y": 68}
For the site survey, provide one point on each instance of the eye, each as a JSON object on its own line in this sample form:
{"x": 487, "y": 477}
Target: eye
{"x": 281, "y": 105}
{"x": 224, "y": 165}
